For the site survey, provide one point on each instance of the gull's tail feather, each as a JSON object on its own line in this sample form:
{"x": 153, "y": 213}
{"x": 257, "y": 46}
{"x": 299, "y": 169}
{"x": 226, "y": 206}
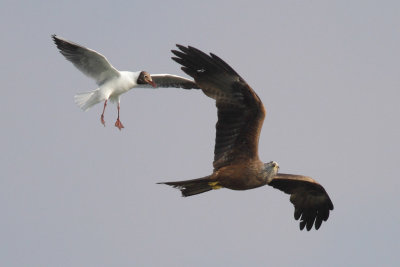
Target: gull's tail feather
{"x": 87, "y": 100}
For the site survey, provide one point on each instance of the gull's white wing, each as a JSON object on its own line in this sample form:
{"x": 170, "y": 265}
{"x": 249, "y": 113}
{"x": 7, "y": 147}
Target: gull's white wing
{"x": 90, "y": 62}
{"x": 169, "y": 80}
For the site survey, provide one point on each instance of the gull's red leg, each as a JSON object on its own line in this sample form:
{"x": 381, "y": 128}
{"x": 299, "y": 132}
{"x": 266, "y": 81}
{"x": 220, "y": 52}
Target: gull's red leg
{"x": 102, "y": 114}
{"x": 118, "y": 123}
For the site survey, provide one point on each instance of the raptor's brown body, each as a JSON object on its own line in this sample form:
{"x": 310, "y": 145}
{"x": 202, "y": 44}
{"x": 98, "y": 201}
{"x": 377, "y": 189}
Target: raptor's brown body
{"x": 236, "y": 163}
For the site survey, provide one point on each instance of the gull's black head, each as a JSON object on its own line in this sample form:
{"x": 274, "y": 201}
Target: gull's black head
{"x": 145, "y": 77}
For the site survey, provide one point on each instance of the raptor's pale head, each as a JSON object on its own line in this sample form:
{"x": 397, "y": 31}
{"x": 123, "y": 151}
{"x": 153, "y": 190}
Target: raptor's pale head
{"x": 271, "y": 169}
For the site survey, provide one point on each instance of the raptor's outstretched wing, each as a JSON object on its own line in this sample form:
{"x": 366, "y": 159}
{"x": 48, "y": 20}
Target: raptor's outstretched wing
{"x": 311, "y": 202}
{"x": 240, "y": 111}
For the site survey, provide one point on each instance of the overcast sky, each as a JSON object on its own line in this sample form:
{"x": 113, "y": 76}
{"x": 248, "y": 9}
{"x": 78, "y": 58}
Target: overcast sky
{"x": 75, "y": 193}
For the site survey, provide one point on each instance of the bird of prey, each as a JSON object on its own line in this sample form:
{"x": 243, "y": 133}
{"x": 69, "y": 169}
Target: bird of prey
{"x": 236, "y": 162}
{"x": 112, "y": 83}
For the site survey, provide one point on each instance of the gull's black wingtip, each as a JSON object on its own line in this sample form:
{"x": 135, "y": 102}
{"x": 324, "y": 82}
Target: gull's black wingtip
{"x": 55, "y": 37}
{"x": 57, "y": 40}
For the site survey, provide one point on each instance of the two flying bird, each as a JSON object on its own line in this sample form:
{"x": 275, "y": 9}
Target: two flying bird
{"x": 240, "y": 118}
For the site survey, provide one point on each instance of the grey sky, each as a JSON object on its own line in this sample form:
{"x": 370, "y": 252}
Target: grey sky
{"x": 73, "y": 193}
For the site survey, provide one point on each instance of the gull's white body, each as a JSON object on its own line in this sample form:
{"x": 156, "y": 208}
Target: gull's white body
{"x": 112, "y": 89}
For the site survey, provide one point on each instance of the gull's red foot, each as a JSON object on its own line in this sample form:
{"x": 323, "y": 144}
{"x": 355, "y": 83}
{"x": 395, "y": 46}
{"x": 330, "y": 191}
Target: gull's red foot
{"x": 102, "y": 120}
{"x": 119, "y": 125}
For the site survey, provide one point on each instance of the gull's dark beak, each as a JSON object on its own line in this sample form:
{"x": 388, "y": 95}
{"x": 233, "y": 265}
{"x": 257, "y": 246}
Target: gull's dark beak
{"x": 150, "y": 81}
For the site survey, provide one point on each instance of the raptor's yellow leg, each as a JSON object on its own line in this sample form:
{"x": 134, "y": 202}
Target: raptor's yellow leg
{"x": 215, "y": 185}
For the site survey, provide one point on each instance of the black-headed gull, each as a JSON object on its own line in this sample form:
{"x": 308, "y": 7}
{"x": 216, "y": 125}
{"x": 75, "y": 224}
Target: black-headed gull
{"x": 112, "y": 83}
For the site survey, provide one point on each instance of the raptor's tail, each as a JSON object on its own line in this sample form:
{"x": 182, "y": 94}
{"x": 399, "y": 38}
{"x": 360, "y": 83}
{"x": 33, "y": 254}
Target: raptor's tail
{"x": 195, "y": 186}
